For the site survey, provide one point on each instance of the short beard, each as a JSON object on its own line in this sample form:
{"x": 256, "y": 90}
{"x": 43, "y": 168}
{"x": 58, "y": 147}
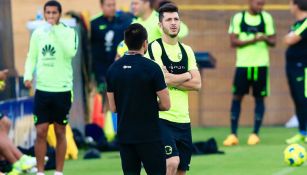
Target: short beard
{"x": 173, "y": 36}
{"x": 170, "y": 35}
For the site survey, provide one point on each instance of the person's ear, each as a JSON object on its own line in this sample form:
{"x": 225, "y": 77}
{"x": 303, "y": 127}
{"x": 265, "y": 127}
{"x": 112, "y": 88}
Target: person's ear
{"x": 145, "y": 44}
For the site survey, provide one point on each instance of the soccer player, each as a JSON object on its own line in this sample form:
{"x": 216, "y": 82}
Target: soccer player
{"x": 106, "y": 33}
{"x": 134, "y": 83}
{"x": 181, "y": 75}
{"x": 296, "y": 66}
{"x": 51, "y": 50}
{"x": 251, "y": 33}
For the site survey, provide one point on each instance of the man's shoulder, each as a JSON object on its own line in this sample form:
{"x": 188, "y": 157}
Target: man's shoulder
{"x": 97, "y": 21}
{"x": 39, "y": 30}
{"x": 266, "y": 16}
{"x": 187, "y": 47}
{"x": 151, "y": 65}
{"x": 148, "y": 61}
{"x": 67, "y": 28}
{"x": 154, "y": 16}
{"x": 238, "y": 15}
{"x": 113, "y": 67}
{"x": 97, "y": 17}
{"x": 124, "y": 16}
{"x": 237, "y": 18}
{"x": 155, "y": 43}
{"x": 155, "y": 46}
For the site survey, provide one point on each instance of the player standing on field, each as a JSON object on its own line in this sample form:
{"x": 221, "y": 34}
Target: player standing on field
{"x": 51, "y": 50}
{"x": 251, "y": 32}
{"x": 296, "y": 66}
{"x": 134, "y": 83}
{"x": 181, "y": 75}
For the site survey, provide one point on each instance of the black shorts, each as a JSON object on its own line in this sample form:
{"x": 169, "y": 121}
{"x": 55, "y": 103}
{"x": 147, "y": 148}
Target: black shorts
{"x": 297, "y": 80}
{"x": 151, "y": 155}
{"x": 255, "y": 77}
{"x": 50, "y": 107}
{"x": 177, "y": 140}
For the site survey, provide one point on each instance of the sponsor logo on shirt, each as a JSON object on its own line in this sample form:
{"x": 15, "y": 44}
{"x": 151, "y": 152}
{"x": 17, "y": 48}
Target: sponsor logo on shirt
{"x": 48, "y": 49}
{"x": 102, "y": 27}
{"x": 127, "y": 67}
{"x": 109, "y": 40}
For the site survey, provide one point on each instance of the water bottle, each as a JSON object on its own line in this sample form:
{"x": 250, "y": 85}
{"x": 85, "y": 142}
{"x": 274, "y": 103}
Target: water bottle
{"x": 39, "y": 14}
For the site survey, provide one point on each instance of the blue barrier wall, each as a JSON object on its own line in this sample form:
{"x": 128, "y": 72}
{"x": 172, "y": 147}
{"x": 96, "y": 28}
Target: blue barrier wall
{"x": 15, "y": 108}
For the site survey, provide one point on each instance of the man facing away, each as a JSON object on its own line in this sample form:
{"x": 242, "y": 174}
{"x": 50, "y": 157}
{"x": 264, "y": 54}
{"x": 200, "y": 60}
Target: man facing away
{"x": 251, "y": 33}
{"x": 181, "y": 75}
{"x": 133, "y": 85}
{"x": 51, "y": 50}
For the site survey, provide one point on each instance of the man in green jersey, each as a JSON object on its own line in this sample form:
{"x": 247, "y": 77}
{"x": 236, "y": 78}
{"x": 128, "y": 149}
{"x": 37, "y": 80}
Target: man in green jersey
{"x": 51, "y": 50}
{"x": 148, "y": 18}
{"x": 251, "y": 33}
{"x": 296, "y": 66}
{"x": 181, "y": 75}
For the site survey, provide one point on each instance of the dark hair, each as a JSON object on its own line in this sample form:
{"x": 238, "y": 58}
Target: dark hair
{"x": 135, "y": 35}
{"x": 53, "y": 3}
{"x": 168, "y": 7}
{"x": 302, "y": 4}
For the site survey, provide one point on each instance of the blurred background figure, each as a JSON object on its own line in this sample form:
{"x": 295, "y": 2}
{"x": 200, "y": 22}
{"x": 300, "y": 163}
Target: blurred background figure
{"x": 296, "y": 66}
{"x": 147, "y": 16}
{"x": 107, "y": 31}
{"x": 251, "y": 32}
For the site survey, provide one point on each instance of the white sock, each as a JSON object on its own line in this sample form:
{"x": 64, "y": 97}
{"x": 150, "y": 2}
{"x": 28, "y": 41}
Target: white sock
{"x": 40, "y": 173}
{"x": 58, "y": 173}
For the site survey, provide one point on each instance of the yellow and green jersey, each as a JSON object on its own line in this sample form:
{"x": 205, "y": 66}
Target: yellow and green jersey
{"x": 257, "y": 54}
{"x": 179, "y": 111}
{"x": 50, "y": 57}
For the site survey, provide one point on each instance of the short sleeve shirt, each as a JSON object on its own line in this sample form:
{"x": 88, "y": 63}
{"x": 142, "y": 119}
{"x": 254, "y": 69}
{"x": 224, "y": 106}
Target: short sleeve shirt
{"x": 298, "y": 52}
{"x": 179, "y": 111}
{"x": 135, "y": 81}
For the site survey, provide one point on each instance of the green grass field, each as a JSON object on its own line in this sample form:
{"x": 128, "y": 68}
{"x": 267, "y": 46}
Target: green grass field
{"x": 263, "y": 159}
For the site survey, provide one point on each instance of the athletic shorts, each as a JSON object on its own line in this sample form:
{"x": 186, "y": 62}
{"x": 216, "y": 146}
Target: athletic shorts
{"x": 255, "y": 77}
{"x": 51, "y": 107}
{"x": 150, "y": 155}
{"x": 297, "y": 80}
{"x": 177, "y": 140}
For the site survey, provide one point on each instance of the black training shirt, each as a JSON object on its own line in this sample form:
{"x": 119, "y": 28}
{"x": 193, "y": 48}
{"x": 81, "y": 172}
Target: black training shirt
{"x": 298, "y": 51}
{"x": 134, "y": 80}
